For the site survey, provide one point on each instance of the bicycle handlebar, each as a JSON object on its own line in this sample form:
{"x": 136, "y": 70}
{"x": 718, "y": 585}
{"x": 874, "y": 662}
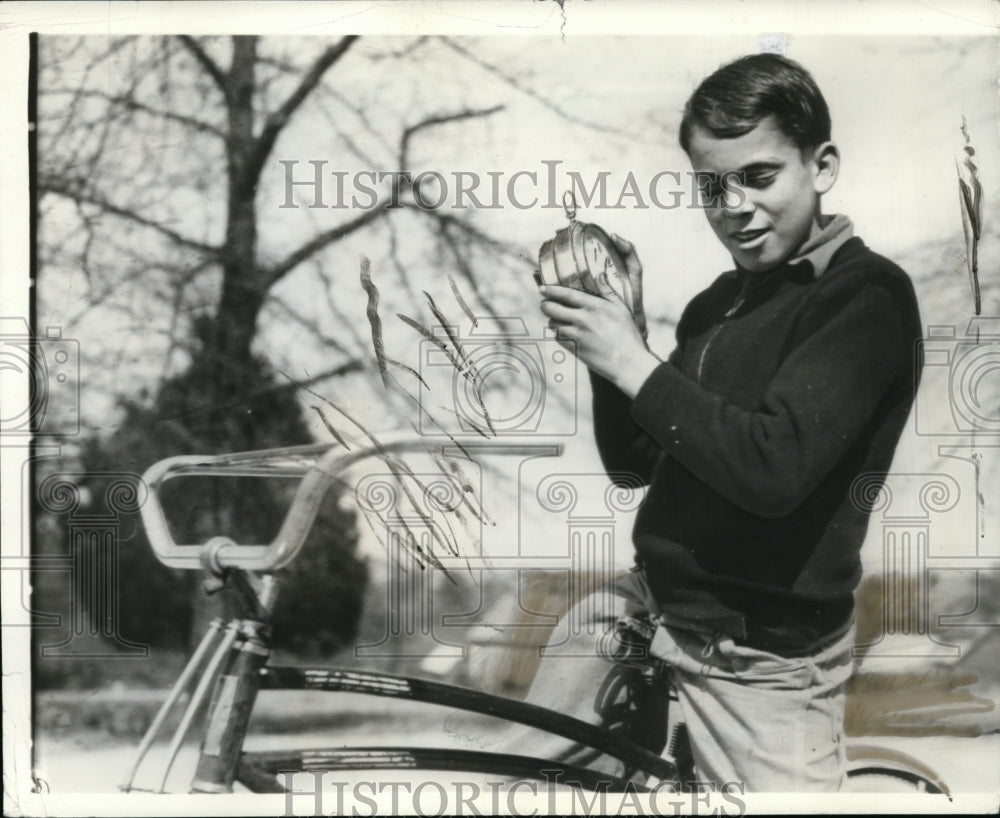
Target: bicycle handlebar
{"x": 317, "y": 465}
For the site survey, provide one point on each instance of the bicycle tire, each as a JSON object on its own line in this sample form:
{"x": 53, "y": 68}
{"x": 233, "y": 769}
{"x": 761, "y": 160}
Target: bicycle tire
{"x": 886, "y": 779}
{"x": 258, "y": 771}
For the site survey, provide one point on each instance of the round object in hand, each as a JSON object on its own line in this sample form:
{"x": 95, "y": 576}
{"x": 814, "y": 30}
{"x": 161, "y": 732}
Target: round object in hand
{"x": 579, "y": 253}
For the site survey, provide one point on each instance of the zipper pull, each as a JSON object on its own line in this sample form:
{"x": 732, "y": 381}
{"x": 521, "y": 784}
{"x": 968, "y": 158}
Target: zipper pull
{"x": 739, "y": 303}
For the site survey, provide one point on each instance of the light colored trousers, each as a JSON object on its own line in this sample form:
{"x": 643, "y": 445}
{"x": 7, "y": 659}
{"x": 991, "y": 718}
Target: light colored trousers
{"x": 765, "y": 721}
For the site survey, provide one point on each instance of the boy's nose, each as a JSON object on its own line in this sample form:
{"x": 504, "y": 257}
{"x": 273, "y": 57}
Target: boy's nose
{"x": 736, "y": 201}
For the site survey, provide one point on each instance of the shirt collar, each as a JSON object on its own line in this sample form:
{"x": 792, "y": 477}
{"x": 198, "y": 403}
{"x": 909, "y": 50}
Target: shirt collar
{"x": 819, "y": 250}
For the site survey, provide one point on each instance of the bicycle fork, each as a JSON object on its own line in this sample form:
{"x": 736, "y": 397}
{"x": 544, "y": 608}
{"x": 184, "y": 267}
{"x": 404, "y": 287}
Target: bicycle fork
{"x": 235, "y": 668}
{"x": 229, "y": 713}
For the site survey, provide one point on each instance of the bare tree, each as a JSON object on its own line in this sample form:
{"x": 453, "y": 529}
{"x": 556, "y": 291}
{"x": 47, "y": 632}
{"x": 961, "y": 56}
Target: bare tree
{"x": 159, "y": 174}
{"x": 141, "y": 136}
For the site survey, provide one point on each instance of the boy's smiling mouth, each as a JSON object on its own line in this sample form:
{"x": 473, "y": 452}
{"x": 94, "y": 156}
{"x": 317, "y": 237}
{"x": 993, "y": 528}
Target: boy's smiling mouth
{"x": 748, "y": 239}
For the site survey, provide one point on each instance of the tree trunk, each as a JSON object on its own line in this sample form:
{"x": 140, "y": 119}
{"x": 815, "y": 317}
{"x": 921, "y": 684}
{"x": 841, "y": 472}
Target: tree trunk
{"x": 243, "y": 292}
{"x": 229, "y": 341}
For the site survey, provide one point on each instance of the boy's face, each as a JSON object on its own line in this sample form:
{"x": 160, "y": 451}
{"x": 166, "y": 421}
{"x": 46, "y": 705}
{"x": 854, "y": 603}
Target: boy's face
{"x": 769, "y": 193}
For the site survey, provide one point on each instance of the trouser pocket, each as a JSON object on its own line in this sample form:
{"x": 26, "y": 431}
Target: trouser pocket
{"x": 764, "y": 669}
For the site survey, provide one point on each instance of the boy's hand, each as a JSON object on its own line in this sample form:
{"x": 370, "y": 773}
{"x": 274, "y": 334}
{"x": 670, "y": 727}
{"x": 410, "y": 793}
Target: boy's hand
{"x": 634, "y": 269}
{"x": 601, "y": 332}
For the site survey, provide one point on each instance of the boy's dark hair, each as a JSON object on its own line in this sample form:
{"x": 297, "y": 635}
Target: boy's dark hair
{"x": 733, "y": 100}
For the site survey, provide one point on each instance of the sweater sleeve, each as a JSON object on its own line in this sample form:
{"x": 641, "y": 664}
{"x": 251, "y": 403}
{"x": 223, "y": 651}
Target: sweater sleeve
{"x": 769, "y": 460}
{"x": 627, "y": 451}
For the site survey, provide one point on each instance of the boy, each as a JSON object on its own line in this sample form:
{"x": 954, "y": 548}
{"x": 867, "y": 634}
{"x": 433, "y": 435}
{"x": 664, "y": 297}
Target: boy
{"x": 792, "y": 376}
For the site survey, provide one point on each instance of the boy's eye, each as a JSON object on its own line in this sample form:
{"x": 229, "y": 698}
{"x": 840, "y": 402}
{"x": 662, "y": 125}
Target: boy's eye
{"x": 759, "y": 180}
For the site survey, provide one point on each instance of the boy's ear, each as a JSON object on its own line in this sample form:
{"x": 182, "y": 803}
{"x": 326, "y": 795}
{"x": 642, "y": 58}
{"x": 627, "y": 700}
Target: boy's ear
{"x": 826, "y": 162}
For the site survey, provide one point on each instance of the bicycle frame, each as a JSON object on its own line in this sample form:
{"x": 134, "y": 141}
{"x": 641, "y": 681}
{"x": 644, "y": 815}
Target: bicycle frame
{"x": 239, "y": 661}
{"x": 235, "y": 658}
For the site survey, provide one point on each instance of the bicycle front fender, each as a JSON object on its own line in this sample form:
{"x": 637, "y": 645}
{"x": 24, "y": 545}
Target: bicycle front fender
{"x": 871, "y": 756}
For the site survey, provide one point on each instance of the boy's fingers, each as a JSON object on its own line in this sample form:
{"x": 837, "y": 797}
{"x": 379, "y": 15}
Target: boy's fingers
{"x": 624, "y": 245}
{"x": 559, "y": 312}
{"x": 627, "y": 249}
{"x": 566, "y": 295}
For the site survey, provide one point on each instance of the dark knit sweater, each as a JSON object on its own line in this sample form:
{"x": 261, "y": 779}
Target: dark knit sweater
{"x": 751, "y": 436}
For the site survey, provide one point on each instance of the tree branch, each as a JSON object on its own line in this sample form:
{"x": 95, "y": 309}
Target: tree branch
{"x": 404, "y": 278}
{"x": 206, "y": 62}
{"x": 353, "y": 365}
{"x": 59, "y": 188}
{"x": 327, "y": 288}
{"x": 274, "y": 273}
{"x": 516, "y": 84}
{"x": 276, "y": 122}
{"x": 406, "y": 51}
{"x": 441, "y": 119}
{"x": 133, "y": 104}
{"x": 275, "y": 302}
{"x": 500, "y": 247}
{"x": 462, "y": 265}
{"x": 327, "y": 237}
{"x": 344, "y": 369}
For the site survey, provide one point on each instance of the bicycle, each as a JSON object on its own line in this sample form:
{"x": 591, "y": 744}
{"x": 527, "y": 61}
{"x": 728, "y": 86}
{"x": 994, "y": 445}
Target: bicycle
{"x": 233, "y": 658}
